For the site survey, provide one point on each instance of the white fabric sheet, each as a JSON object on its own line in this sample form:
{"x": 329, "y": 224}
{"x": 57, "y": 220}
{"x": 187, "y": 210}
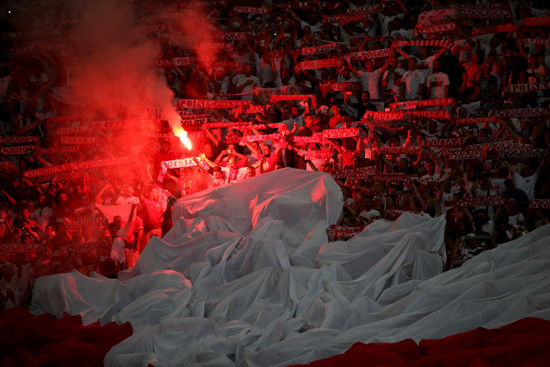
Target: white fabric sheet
{"x": 247, "y": 277}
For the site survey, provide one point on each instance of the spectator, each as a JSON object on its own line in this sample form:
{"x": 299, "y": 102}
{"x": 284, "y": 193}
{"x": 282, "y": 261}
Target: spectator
{"x": 438, "y": 82}
{"x": 413, "y": 80}
{"x": 151, "y": 212}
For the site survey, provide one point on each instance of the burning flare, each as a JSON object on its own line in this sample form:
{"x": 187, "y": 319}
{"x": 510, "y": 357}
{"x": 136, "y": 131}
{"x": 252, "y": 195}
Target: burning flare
{"x": 182, "y": 134}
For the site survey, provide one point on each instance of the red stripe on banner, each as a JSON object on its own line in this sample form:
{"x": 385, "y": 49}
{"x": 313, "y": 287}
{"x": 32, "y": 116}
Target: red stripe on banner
{"x": 437, "y": 28}
{"x": 52, "y": 170}
{"x": 479, "y": 120}
{"x": 537, "y": 21}
{"x": 522, "y": 112}
{"x": 19, "y": 139}
{"x": 207, "y": 103}
{"x": 318, "y": 64}
{"x": 502, "y": 28}
{"x": 340, "y": 133}
{"x": 481, "y": 201}
{"x": 367, "y": 55}
{"x": 250, "y": 10}
{"x": 357, "y": 173}
{"x": 540, "y": 204}
{"x": 319, "y": 49}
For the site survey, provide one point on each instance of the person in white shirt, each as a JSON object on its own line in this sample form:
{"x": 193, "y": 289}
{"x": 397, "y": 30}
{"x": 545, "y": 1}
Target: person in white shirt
{"x": 246, "y": 81}
{"x": 413, "y": 79}
{"x": 525, "y": 179}
{"x": 438, "y": 83}
{"x": 371, "y": 79}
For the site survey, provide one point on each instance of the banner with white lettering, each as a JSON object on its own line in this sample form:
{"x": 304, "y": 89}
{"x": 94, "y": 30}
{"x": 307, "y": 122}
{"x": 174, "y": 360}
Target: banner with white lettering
{"x": 19, "y": 139}
{"x": 393, "y": 177}
{"x": 481, "y": 201}
{"x": 529, "y": 87}
{"x": 501, "y": 28}
{"x": 423, "y": 43}
{"x": 59, "y": 149}
{"x": 17, "y": 150}
{"x": 176, "y": 163}
{"x": 368, "y": 55}
{"x": 537, "y": 21}
{"x": 383, "y": 116}
{"x": 410, "y": 105}
{"x": 316, "y": 50}
{"x": 400, "y": 150}
{"x": 451, "y": 142}
{"x": 251, "y": 138}
{"x": 364, "y": 9}
{"x": 479, "y": 120}
{"x": 522, "y": 112}
{"x": 340, "y": 133}
{"x": 437, "y": 28}
{"x": 435, "y": 114}
{"x": 263, "y": 95}
{"x": 290, "y": 97}
{"x": 536, "y": 41}
{"x": 523, "y": 154}
{"x": 230, "y": 36}
{"x": 53, "y": 170}
{"x": 210, "y": 103}
{"x": 77, "y": 140}
{"x": 318, "y": 64}
{"x": 318, "y": 154}
{"x": 540, "y": 204}
{"x": 315, "y": 138}
{"x": 342, "y": 19}
{"x": 463, "y": 155}
{"x": 356, "y": 173}
{"x": 250, "y": 10}
{"x": 19, "y": 248}
{"x": 176, "y": 61}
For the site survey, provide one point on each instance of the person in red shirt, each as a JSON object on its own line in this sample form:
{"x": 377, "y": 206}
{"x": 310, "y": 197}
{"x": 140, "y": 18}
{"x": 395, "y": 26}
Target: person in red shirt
{"x": 151, "y": 212}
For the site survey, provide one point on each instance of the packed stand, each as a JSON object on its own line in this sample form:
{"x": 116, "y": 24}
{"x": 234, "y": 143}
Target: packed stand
{"x": 434, "y": 111}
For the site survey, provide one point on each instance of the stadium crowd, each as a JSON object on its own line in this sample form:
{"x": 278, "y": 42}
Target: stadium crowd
{"x": 437, "y": 108}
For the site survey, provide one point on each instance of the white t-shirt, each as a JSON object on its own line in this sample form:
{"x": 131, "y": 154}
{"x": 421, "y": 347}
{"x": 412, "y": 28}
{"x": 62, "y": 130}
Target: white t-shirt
{"x": 437, "y": 82}
{"x": 371, "y": 82}
{"x": 412, "y": 80}
{"x": 526, "y": 184}
{"x": 234, "y": 175}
